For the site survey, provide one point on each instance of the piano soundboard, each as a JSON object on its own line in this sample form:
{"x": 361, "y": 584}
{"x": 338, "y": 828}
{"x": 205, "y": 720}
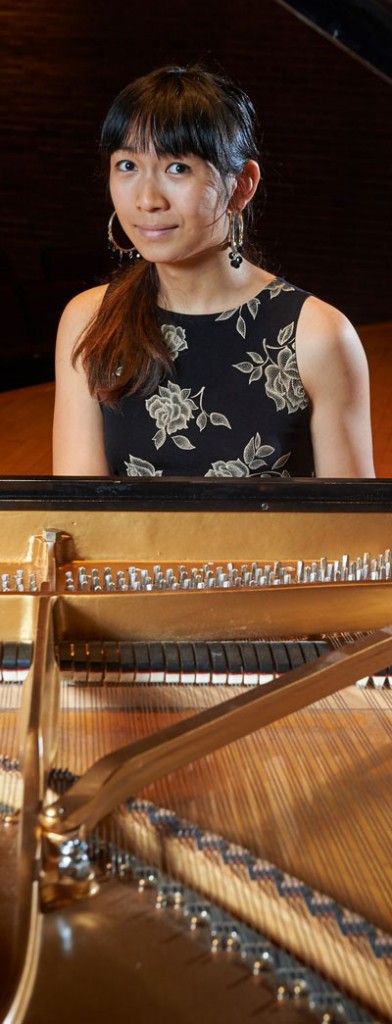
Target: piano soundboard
{"x": 134, "y": 615}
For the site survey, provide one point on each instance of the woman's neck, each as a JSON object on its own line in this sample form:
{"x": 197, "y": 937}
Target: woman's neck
{"x": 209, "y": 288}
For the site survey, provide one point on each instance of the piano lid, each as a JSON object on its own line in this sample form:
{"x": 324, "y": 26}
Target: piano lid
{"x": 361, "y": 27}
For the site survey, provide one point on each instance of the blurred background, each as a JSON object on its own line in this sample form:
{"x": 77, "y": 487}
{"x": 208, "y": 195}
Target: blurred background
{"x": 324, "y": 125}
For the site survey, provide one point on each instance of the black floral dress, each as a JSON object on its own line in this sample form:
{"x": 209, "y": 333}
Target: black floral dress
{"x": 233, "y": 405}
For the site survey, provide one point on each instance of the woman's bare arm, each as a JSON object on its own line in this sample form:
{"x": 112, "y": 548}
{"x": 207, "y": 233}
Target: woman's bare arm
{"x": 78, "y": 445}
{"x": 334, "y": 371}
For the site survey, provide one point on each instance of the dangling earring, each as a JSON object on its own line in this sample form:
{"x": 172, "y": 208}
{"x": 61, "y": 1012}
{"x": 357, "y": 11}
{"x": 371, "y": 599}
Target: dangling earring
{"x": 236, "y": 237}
{"x": 131, "y": 253}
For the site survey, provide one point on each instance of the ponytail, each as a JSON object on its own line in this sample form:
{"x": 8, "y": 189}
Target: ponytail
{"x": 123, "y": 350}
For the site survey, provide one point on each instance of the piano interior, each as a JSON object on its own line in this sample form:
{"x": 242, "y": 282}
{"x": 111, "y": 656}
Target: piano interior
{"x": 195, "y": 752}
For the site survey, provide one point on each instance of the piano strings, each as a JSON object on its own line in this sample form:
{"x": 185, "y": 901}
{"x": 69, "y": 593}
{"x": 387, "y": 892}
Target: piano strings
{"x": 295, "y": 796}
{"x": 287, "y": 829}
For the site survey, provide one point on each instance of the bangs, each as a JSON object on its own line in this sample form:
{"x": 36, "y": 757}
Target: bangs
{"x": 174, "y": 135}
{"x": 171, "y": 132}
{"x": 177, "y": 117}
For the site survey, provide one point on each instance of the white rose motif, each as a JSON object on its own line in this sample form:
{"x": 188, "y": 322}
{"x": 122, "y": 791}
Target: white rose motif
{"x": 175, "y": 339}
{"x": 171, "y": 408}
{"x": 284, "y": 384}
{"x": 234, "y": 467}
{"x": 139, "y": 467}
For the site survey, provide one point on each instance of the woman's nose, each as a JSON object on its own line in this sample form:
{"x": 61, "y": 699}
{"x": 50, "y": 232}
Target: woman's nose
{"x": 150, "y": 196}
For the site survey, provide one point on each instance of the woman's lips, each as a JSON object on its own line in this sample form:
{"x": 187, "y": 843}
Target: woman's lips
{"x": 155, "y": 232}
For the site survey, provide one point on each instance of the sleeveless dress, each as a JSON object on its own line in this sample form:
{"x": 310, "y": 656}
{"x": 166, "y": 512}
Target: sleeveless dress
{"x": 233, "y": 404}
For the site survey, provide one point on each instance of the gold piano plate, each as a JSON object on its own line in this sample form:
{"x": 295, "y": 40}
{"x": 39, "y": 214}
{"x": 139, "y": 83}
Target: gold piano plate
{"x": 194, "y": 794}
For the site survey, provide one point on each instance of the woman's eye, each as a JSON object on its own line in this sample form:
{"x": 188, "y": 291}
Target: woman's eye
{"x": 125, "y": 165}
{"x": 178, "y": 168}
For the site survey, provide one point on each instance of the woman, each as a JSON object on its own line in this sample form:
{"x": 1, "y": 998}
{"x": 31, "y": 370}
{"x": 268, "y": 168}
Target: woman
{"x": 196, "y": 361}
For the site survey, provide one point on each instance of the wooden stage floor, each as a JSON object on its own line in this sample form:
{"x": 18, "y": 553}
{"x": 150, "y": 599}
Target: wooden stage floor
{"x": 26, "y": 415}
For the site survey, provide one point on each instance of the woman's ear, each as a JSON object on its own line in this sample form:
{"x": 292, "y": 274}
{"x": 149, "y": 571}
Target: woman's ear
{"x": 246, "y": 186}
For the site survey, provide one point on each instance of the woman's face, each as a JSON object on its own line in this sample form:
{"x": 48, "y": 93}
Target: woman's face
{"x": 172, "y": 209}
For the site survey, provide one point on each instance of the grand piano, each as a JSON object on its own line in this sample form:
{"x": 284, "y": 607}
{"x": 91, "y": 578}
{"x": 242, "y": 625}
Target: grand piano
{"x": 195, "y": 735}
{"x": 195, "y": 750}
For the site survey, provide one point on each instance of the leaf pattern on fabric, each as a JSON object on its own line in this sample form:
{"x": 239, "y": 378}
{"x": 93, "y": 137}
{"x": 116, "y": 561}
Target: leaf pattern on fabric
{"x": 219, "y": 420}
{"x": 202, "y": 420}
{"x": 256, "y": 374}
{"x": 244, "y": 367}
{"x": 277, "y": 286}
{"x": 254, "y": 456}
{"x": 183, "y": 442}
{"x": 227, "y": 314}
{"x": 241, "y": 326}
{"x": 285, "y": 334}
{"x": 252, "y": 306}
{"x": 159, "y": 438}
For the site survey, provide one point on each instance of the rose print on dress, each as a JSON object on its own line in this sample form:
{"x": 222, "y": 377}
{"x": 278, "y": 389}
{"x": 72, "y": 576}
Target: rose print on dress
{"x": 284, "y": 384}
{"x": 175, "y": 338}
{"x": 234, "y": 467}
{"x": 172, "y": 409}
{"x": 282, "y": 380}
{"x": 239, "y": 375}
{"x": 140, "y": 467}
{"x": 254, "y": 458}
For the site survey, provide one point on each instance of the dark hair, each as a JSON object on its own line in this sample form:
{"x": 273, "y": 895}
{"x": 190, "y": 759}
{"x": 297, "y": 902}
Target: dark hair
{"x": 178, "y": 111}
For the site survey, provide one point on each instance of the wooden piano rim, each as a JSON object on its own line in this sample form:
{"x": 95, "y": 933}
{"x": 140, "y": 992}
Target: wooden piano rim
{"x": 178, "y": 494}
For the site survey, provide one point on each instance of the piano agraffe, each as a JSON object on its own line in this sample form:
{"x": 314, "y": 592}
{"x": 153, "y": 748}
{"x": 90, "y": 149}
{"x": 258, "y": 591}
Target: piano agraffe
{"x": 195, "y": 797}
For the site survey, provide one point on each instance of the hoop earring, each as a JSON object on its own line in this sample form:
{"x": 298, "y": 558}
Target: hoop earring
{"x": 114, "y": 247}
{"x": 236, "y": 238}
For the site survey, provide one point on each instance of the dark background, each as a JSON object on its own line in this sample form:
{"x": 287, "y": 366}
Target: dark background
{"x": 325, "y": 122}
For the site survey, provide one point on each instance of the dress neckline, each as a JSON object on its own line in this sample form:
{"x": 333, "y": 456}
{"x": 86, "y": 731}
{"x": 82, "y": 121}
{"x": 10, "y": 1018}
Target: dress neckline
{"x": 220, "y": 313}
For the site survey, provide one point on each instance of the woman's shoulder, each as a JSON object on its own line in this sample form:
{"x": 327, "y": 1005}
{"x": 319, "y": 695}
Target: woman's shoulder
{"x": 328, "y": 346}
{"x": 78, "y": 314}
{"x": 319, "y": 320}
{"x": 84, "y": 305}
